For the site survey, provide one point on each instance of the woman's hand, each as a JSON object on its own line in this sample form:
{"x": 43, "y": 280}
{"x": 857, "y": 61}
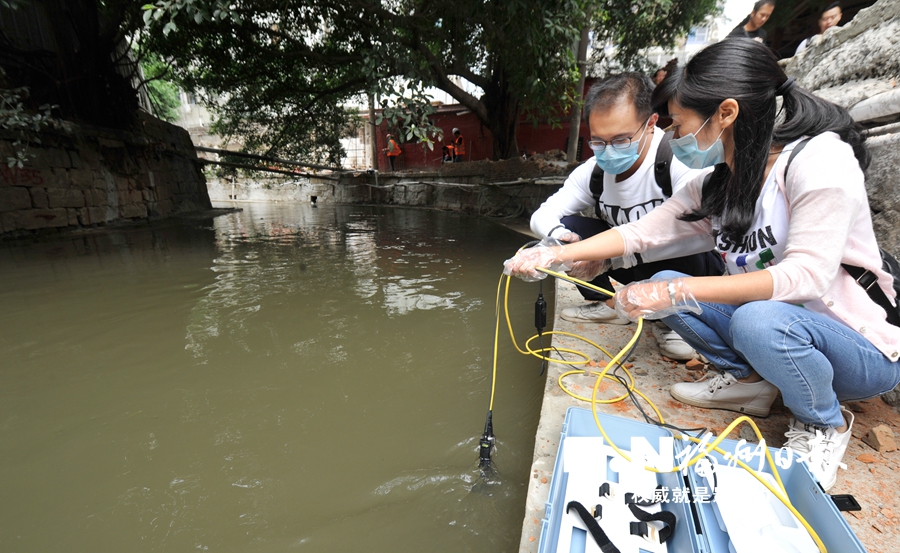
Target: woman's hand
{"x": 545, "y": 254}
{"x": 655, "y": 299}
{"x": 588, "y": 270}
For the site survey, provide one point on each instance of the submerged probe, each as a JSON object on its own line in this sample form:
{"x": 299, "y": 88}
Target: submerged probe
{"x": 486, "y": 444}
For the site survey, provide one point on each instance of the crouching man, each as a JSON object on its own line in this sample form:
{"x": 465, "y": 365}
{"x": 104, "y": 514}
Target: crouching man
{"x": 632, "y": 172}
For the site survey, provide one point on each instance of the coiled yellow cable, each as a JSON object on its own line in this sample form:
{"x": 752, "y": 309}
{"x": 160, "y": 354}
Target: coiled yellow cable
{"x": 780, "y": 492}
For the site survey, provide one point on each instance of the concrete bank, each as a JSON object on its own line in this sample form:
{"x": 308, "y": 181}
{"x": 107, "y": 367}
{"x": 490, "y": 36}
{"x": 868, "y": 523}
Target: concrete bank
{"x": 871, "y": 477}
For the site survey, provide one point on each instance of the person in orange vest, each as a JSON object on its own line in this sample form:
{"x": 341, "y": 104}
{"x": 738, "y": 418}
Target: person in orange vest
{"x": 447, "y": 150}
{"x": 393, "y": 150}
{"x": 459, "y": 146}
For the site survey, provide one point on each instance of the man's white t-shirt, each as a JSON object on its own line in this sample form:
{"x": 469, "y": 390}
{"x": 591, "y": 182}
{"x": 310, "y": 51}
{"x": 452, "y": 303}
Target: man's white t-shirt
{"x": 621, "y": 202}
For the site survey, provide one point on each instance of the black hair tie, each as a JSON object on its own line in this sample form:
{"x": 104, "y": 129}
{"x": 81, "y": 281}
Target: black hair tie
{"x": 786, "y": 87}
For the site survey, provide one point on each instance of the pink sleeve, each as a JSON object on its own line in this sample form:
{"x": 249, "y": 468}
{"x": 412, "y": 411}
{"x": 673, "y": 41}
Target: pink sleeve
{"x": 662, "y": 225}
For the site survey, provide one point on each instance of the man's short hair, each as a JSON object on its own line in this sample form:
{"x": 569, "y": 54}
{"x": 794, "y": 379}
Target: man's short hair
{"x": 606, "y": 93}
{"x": 831, "y": 6}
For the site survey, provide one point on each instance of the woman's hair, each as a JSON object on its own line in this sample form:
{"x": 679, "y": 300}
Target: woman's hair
{"x": 748, "y": 72}
{"x": 756, "y": 7}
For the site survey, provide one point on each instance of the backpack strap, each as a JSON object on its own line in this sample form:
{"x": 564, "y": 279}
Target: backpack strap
{"x": 662, "y": 167}
{"x": 864, "y": 277}
{"x": 796, "y": 150}
{"x": 596, "y": 182}
{"x": 596, "y": 185}
{"x": 869, "y": 282}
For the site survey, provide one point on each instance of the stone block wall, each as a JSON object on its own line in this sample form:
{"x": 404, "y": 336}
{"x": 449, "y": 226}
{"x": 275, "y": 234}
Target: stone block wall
{"x": 82, "y": 176}
{"x": 507, "y": 188}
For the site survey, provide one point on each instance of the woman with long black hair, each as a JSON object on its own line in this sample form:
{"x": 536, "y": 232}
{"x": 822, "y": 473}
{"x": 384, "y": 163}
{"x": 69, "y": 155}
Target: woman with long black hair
{"x": 787, "y": 317}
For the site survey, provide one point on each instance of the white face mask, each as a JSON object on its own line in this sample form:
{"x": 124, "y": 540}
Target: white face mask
{"x": 687, "y": 150}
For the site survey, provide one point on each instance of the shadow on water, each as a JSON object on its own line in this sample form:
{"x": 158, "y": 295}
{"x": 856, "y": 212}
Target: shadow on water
{"x": 284, "y": 378}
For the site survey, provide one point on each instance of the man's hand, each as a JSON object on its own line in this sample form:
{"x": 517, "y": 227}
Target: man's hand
{"x": 545, "y": 254}
{"x": 568, "y": 237}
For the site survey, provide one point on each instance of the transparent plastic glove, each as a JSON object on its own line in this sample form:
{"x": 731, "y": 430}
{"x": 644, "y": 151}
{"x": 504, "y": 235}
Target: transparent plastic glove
{"x": 588, "y": 270}
{"x": 545, "y": 254}
{"x": 624, "y": 262}
{"x": 568, "y": 237}
{"x": 655, "y": 299}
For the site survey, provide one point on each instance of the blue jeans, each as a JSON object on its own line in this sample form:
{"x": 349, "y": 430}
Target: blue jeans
{"x": 814, "y": 361}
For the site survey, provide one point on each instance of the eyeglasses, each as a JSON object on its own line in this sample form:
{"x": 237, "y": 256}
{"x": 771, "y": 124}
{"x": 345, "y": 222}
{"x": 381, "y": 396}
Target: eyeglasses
{"x": 617, "y": 143}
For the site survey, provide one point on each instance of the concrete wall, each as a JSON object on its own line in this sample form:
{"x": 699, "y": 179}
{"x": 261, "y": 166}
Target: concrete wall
{"x": 81, "y": 176}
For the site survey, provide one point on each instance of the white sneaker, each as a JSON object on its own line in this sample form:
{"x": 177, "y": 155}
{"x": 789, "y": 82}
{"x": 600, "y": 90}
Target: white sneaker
{"x": 596, "y": 312}
{"x": 820, "y": 448}
{"x": 720, "y": 390}
{"x": 670, "y": 343}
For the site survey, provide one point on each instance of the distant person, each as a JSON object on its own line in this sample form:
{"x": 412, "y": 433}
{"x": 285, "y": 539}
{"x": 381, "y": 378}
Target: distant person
{"x": 659, "y": 76}
{"x": 830, "y": 17}
{"x": 664, "y": 121}
{"x": 631, "y": 174}
{"x": 751, "y": 26}
{"x": 447, "y": 153}
{"x": 459, "y": 146}
{"x": 393, "y": 150}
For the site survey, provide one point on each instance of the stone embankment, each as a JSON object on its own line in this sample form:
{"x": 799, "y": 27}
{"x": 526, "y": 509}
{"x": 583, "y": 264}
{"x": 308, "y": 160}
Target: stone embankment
{"x": 857, "y": 66}
{"x": 508, "y": 188}
{"x": 82, "y": 176}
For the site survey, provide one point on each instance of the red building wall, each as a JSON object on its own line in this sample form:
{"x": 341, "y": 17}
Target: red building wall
{"x": 479, "y": 141}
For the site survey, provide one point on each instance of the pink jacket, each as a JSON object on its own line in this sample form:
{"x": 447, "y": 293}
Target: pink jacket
{"x": 830, "y": 224}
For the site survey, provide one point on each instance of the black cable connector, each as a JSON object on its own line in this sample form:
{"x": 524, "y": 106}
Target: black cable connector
{"x": 486, "y": 444}
{"x": 540, "y": 313}
{"x": 540, "y": 322}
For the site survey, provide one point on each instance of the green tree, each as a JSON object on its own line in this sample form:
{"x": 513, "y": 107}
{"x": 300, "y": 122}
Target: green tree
{"x": 635, "y": 26}
{"x": 288, "y": 66}
{"x": 162, "y": 91}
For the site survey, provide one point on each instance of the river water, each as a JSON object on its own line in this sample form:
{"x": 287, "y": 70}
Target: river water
{"x": 286, "y": 378}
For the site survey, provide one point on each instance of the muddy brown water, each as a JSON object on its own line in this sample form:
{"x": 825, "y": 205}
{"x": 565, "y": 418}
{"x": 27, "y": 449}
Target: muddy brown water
{"x": 286, "y": 378}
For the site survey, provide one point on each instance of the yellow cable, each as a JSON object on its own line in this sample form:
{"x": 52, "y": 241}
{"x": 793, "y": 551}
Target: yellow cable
{"x": 780, "y": 493}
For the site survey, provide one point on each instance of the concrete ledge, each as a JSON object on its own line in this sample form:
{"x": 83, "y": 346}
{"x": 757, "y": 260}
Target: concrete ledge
{"x": 872, "y": 477}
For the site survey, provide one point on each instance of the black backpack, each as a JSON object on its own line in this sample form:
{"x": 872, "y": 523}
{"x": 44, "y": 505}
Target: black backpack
{"x": 660, "y": 172}
{"x": 864, "y": 277}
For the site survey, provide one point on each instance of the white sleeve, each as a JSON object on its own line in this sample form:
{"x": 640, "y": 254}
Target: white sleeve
{"x": 573, "y": 197}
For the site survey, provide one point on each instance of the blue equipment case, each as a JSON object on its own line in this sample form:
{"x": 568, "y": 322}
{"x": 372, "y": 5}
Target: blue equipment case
{"x": 697, "y": 529}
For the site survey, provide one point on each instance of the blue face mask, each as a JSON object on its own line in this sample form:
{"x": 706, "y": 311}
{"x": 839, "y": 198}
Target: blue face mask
{"x": 687, "y": 151}
{"x": 616, "y": 161}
